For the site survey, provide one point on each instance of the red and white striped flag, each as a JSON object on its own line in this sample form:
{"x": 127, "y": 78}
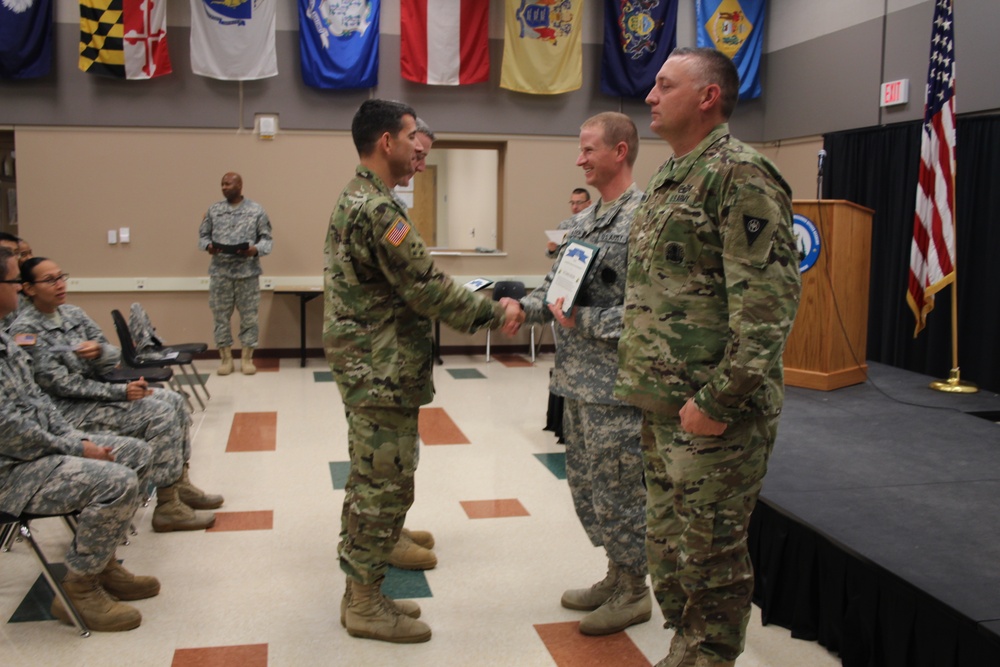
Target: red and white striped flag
{"x": 932, "y": 256}
{"x": 445, "y": 42}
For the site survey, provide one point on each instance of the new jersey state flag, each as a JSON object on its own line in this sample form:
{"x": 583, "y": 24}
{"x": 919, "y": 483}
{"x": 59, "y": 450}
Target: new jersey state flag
{"x": 735, "y": 27}
{"x": 542, "y": 48}
{"x": 338, "y": 42}
{"x": 124, "y": 39}
{"x": 233, "y": 40}
{"x": 25, "y": 38}
{"x": 445, "y": 42}
{"x": 638, "y": 37}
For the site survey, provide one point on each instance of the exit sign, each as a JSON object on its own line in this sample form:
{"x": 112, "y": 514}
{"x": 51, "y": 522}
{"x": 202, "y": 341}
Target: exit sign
{"x": 895, "y": 92}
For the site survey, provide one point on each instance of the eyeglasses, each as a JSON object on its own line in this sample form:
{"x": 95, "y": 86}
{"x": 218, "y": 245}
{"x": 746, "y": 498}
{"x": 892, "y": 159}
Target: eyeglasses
{"x": 11, "y": 282}
{"x": 61, "y": 278}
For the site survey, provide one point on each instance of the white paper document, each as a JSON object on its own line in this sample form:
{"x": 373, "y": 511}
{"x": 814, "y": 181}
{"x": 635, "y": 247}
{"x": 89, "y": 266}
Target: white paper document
{"x": 573, "y": 267}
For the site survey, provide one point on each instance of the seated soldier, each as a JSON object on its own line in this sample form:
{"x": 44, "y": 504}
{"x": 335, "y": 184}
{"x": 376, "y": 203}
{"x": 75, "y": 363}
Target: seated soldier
{"x": 48, "y": 467}
{"x": 71, "y": 354}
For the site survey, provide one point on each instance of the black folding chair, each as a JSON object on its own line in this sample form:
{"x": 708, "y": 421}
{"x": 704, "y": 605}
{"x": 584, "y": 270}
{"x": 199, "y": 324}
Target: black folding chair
{"x": 149, "y": 341}
{"x": 153, "y": 359}
{"x": 20, "y": 524}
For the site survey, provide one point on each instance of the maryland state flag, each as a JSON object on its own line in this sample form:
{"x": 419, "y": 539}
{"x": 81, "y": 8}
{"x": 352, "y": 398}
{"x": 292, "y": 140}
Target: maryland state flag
{"x": 124, "y": 39}
{"x": 25, "y": 38}
{"x": 338, "y": 42}
{"x": 638, "y": 37}
{"x": 735, "y": 27}
{"x": 542, "y": 49}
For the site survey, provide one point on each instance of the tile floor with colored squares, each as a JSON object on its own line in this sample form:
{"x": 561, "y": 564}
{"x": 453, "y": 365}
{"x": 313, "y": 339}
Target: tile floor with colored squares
{"x": 263, "y": 586}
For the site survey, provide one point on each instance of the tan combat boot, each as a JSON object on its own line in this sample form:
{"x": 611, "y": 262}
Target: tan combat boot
{"x": 99, "y": 610}
{"x": 246, "y": 363}
{"x": 589, "y": 599}
{"x": 682, "y": 653}
{"x": 124, "y": 585}
{"x": 226, "y": 366}
{"x": 405, "y": 607}
{"x": 194, "y": 497}
{"x": 630, "y": 604}
{"x": 370, "y": 616}
{"x": 172, "y": 514}
{"x": 421, "y": 537}
{"x": 408, "y": 555}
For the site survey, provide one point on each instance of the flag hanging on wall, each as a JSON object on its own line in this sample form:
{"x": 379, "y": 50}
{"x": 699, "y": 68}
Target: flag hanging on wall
{"x": 445, "y": 42}
{"x": 735, "y": 27}
{"x": 542, "y": 46}
{"x": 338, "y": 41}
{"x": 932, "y": 254}
{"x": 233, "y": 40}
{"x": 25, "y": 39}
{"x": 638, "y": 37}
{"x": 124, "y": 39}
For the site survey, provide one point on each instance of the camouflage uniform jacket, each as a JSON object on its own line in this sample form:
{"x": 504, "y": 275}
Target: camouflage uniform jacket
{"x": 32, "y": 430}
{"x": 713, "y": 285}
{"x": 381, "y": 292}
{"x": 587, "y": 354}
{"x": 245, "y": 223}
{"x": 63, "y": 374}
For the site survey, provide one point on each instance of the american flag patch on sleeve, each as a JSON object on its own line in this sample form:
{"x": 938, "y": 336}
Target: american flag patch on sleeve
{"x": 397, "y": 232}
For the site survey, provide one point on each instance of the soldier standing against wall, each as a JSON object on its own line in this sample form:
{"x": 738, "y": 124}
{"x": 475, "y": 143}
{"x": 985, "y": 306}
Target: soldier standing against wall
{"x": 713, "y": 287}
{"x": 603, "y": 456}
{"x": 236, "y": 233}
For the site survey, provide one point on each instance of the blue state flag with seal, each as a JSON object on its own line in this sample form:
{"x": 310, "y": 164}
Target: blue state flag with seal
{"x": 638, "y": 37}
{"x": 25, "y": 38}
{"x": 338, "y": 41}
{"x": 735, "y": 27}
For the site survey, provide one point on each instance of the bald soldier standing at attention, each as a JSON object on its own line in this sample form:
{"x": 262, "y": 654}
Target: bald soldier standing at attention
{"x": 712, "y": 290}
{"x": 381, "y": 293}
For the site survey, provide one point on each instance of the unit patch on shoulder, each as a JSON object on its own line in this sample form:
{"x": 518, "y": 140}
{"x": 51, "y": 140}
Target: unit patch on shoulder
{"x": 397, "y": 232}
{"x": 753, "y": 227}
{"x": 25, "y": 339}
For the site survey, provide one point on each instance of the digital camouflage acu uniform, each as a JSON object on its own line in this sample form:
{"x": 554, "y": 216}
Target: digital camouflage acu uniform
{"x": 233, "y": 279}
{"x": 91, "y": 404}
{"x": 42, "y": 469}
{"x": 713, "y": 287}
{"x": 603, "y": 456}
{"x": 381, "y": 293}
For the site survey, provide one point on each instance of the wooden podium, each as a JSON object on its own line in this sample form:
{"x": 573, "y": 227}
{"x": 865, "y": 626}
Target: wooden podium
{"x": 827, "y": 347}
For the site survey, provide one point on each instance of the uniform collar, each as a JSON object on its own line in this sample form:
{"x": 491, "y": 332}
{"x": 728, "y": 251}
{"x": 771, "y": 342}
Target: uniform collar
{"x": 677, "y": 168}
{"x": 369, "y": 175}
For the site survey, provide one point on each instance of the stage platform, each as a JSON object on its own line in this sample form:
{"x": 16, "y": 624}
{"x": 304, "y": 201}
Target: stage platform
{"x": 878, "y": 529}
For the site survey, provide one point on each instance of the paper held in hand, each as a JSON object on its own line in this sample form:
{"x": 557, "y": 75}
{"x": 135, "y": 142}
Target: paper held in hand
{"x": 556, "y": 236}
{"x": 573, "y": 267}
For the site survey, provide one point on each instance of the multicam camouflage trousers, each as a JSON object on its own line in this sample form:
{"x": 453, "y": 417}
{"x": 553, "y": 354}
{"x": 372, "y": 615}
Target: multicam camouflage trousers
{"x": 161, "y": 420}
{"x": 104, "y": 493}
{"x": 243, "y": 294}
{"x": 702, "y": 490}
{"x": 604, "y": 471}
{"x": 383, "y": 445}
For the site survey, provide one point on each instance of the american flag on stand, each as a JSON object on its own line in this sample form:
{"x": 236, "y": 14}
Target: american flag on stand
{"x": 932, "y": 256}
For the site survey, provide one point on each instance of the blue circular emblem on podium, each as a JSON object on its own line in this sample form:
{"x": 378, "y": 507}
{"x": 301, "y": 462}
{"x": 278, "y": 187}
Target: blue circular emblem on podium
{"x": 807, "y": 238}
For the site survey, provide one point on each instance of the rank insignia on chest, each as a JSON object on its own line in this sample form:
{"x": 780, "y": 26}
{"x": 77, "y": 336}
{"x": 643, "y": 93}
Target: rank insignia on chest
{"x": 25, "y": 339}
{"x": 675, "y": 252}
{"x": 753, "y": 227}
{"x": 397, "y": 232}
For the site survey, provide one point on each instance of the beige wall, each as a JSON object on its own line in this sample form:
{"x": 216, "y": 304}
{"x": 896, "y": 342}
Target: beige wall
{"x": 76, "y": 184}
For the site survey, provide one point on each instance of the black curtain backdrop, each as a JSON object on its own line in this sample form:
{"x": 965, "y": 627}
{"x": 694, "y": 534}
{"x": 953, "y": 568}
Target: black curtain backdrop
{"x": 877, "y": 168}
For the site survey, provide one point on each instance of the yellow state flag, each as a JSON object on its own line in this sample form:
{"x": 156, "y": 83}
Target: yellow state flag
{"x": 542, "y": 48}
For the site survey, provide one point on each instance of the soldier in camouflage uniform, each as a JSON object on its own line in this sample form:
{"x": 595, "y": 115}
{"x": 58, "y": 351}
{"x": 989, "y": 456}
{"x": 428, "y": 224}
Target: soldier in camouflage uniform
{"x": 11, "y": 243}
{"x": 48, "y": 467}
{"x": 381, "y": 293}
{"x": 713, "y": 287}
{"x": 603, "y": 456}
{"x": 234, "y": 277}
{"x": 71, "y": 355}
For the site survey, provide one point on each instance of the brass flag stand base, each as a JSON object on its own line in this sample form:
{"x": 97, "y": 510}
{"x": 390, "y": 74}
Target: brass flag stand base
{"x": 954, "y": 385}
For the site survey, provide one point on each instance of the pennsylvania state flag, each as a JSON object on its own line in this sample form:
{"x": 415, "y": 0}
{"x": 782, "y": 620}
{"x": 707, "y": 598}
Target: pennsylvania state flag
{"x": 338, "y": 42}
{"x": 735, "y": 27}
{"x": 25, "y": 38}
{"x": 542, "y": 47}
{"x": 638, "y": 37}
{"x": 124, "y": 39}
